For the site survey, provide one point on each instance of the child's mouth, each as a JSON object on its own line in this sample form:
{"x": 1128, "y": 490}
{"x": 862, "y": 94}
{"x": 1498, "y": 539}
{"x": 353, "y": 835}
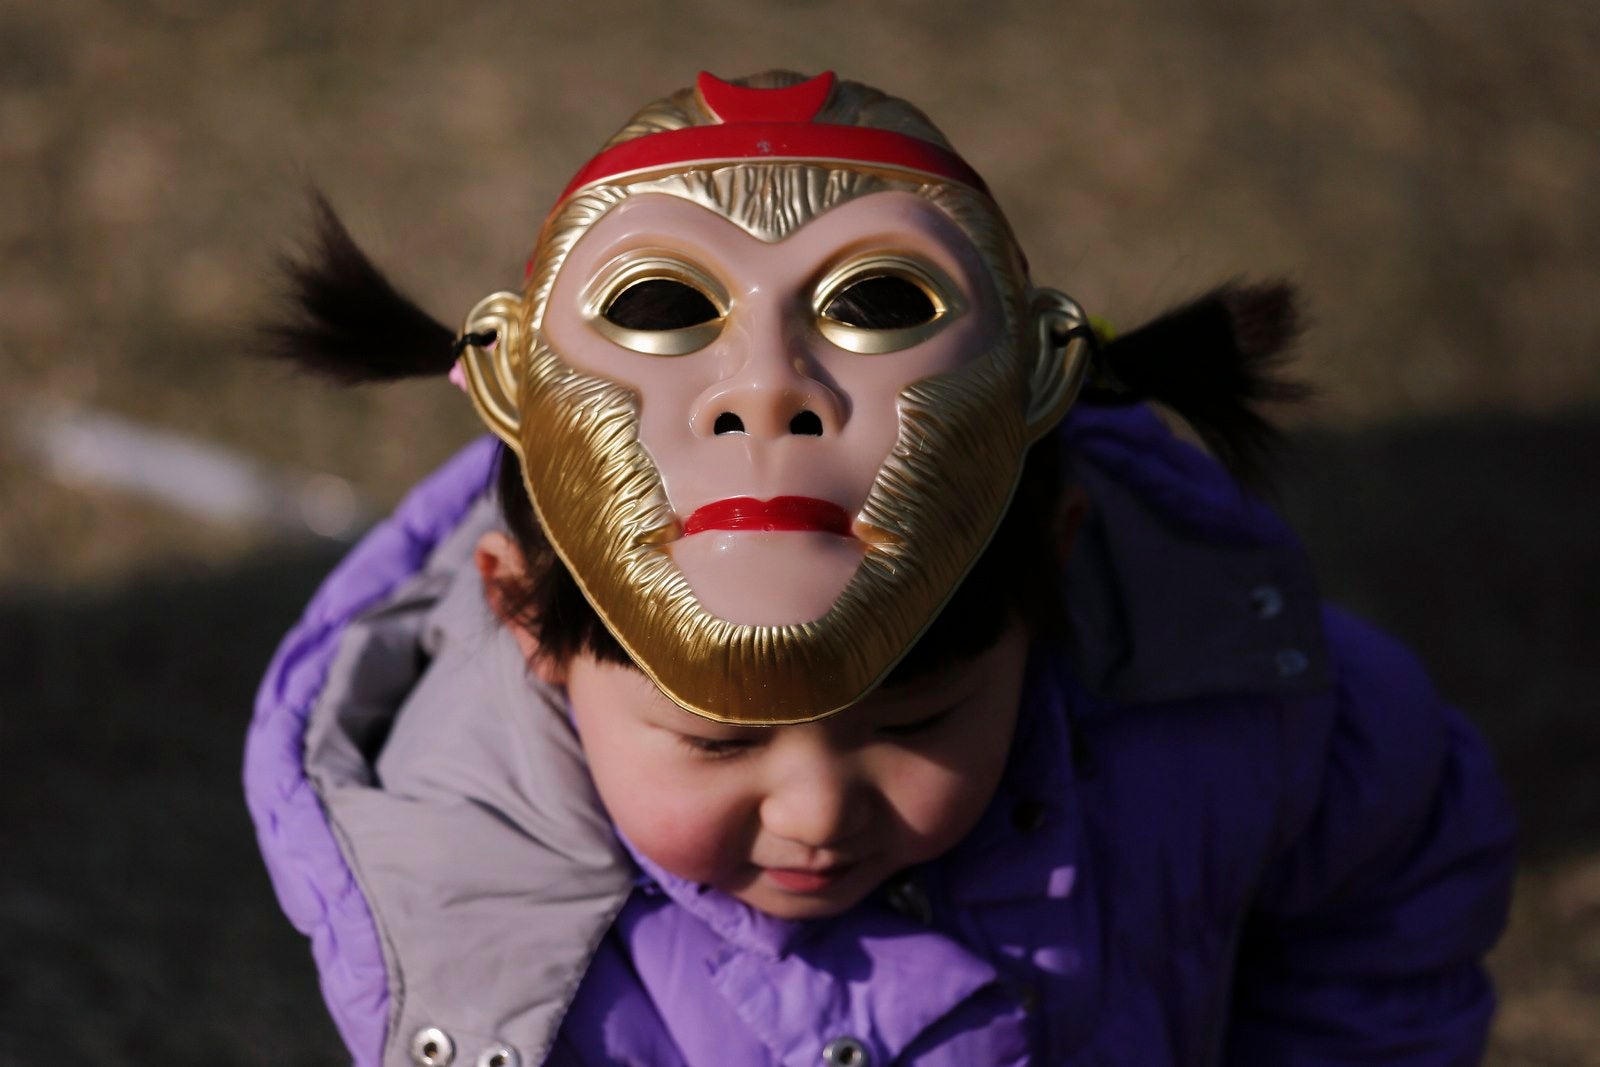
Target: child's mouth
{"x": 804, "y": 882}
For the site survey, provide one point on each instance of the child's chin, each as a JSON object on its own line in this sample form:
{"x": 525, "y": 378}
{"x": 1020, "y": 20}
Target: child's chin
{"x": 824, "y": 904}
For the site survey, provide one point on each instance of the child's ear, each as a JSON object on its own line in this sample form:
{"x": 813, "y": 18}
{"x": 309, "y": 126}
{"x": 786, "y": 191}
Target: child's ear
{"x": 501, "y": 566}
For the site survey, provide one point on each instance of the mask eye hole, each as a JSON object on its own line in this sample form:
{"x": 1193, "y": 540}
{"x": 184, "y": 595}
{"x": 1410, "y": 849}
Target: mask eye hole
{"x": 882, "y": 302}
{"x": 656, "y": 304}
{"x": 885, "y": 303}
{"x": 660, "y": 304}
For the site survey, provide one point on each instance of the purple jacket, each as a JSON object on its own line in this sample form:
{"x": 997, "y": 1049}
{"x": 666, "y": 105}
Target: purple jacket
{"x": 1235, "y": 828}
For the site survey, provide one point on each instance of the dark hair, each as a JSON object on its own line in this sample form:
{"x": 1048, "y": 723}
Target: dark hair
{"x": 341, "y": 318}
{"x": 1210, "y": 360}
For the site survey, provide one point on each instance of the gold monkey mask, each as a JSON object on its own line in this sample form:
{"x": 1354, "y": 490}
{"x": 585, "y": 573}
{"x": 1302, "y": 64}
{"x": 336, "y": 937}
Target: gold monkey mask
{"x": 772, "y": 377}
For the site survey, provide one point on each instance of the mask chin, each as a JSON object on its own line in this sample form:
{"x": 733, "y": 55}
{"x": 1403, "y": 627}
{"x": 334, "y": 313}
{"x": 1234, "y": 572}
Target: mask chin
{"x": 767, "y": 578}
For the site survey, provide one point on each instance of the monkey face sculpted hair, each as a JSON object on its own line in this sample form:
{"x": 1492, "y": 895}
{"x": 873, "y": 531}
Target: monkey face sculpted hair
{"x": 936, "y": 496}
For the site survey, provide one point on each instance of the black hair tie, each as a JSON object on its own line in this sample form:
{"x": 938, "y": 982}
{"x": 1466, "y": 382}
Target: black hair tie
{"x": 481, "y": 339}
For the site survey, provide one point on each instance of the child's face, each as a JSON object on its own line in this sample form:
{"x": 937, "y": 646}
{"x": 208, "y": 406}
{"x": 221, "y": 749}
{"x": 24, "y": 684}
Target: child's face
{"x": 802, "y": 821}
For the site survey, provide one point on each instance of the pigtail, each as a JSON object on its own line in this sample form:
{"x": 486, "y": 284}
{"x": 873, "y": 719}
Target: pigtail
{"x": 1212, "y": 361}
{"x": 344, "y": 320}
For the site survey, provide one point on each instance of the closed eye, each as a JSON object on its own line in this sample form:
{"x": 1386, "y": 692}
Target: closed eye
{"x": 918, "y": 726}
{"x": 715, "y": 747}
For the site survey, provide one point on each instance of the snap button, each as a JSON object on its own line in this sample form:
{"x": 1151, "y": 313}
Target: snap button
{"x": 1291, "y": 663}
{"x": 1266, "y": 601}
{"x": 1028, "y": 815}
{"x": 907, "y": 898}
{"x": 846, "y": 1052}
{"x": 432, "y": 1047}
{"x": 1028, "y": 997}
{"x": 499, "y": 1056}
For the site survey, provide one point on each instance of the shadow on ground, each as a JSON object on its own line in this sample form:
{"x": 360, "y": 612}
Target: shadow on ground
{"x": 139, "y": 924}
{"x": 1477, "y": 541}
{"x": 138, "y": 918}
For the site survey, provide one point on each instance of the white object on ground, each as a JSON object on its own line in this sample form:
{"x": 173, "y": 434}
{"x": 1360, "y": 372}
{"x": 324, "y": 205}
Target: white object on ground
{"x": 202, "y": 478}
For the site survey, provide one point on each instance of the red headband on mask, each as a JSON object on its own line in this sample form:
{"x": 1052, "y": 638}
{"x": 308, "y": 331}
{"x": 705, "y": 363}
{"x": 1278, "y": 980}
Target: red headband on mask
{"x": 771, "y": 125}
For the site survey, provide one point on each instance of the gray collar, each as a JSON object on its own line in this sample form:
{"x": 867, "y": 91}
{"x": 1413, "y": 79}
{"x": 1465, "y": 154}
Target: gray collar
{"x": 463, "y": 804}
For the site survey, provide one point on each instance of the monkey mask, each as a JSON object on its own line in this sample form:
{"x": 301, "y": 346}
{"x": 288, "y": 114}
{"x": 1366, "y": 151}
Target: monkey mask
{"x": 771, "y": 378}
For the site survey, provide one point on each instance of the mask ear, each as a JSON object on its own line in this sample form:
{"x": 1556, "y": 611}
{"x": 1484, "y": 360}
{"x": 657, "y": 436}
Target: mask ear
{"x": 493, "y": 370}
{"x": 1061, "y": 335}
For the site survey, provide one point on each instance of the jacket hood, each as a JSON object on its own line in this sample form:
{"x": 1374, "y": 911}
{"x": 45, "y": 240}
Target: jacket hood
{"x": 418, "y": 795}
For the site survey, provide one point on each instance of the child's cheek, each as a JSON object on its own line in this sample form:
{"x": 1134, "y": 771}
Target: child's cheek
{"x": 939, "y": 795}
{"x": 678, "y": 827}
{"x": 938, "y": 806}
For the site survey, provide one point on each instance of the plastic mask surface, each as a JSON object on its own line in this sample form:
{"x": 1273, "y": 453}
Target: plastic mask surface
{"x": 769, "y": 437}
{"x": 770, "y": 414}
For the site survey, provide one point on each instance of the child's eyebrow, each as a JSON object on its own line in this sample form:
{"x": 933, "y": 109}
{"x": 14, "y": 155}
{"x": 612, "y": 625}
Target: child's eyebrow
{"x": 945, "y": 684}
{"x": 700, "y": 726}
{"x": 933, "y": 703}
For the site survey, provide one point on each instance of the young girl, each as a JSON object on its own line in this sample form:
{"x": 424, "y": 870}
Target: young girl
{"x": 798, "y": 681}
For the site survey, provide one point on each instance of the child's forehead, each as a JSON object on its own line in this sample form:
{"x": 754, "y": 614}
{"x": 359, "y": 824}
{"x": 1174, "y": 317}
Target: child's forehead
{"x": 902, "y": 701}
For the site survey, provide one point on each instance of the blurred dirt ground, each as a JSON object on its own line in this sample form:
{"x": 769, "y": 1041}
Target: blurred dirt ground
{"x": 1425, "y": 170}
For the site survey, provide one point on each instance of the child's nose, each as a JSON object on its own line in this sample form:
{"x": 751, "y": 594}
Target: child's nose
{"x": 822, "y": 808}
{"x": 773, "y": 386}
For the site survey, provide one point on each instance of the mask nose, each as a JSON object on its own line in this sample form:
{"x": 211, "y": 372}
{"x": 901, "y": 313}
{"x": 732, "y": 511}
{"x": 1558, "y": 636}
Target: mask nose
{"x": 774, "y": 389}
{"x": 803, "y": 423}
